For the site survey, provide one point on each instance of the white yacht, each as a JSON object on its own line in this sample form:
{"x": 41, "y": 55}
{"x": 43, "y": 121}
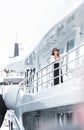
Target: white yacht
{"x": 36, "y": 100}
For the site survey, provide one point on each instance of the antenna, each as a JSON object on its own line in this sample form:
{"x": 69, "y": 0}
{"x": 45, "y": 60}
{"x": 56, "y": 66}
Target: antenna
{"x": 16, "y": 47}
{"x": 16, "y": 50}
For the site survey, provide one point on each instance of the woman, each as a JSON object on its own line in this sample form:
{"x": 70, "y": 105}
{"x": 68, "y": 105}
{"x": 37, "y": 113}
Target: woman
{"x": 55, "y": 57}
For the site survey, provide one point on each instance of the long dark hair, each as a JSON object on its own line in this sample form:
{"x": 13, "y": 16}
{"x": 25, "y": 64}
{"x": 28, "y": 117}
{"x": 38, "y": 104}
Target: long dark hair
{"x": 55, "y": 49}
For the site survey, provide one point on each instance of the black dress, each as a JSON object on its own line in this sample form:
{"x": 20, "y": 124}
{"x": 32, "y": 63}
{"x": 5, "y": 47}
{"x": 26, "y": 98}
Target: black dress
{"x": 56, "y": 74}
{"x": 3, "y": 110}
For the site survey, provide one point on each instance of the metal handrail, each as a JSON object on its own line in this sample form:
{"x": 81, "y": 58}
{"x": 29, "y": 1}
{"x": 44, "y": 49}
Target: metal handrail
{"x": 13, "y": 119}
{"x": 65, "y": 55}
{"x": 55, "y": 62}
{"x": 32, "y": 85}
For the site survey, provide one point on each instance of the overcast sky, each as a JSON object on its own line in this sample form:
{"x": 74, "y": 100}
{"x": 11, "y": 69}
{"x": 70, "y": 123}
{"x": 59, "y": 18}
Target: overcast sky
{"x": 29, "y": 21}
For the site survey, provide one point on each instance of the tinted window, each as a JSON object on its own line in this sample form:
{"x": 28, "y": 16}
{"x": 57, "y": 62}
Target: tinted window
{"x": 70, "y": 45}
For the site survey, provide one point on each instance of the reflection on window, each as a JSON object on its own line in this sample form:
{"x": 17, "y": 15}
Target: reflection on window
{"x": 61, "y": 50}
{"x": 71, "y": 56}
{"x": 30, "y": 59}
{"x": 70, "y": 45}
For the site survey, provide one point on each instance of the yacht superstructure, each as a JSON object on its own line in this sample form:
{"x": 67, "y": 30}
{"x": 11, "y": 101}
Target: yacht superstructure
{"x": 36, "y": 100}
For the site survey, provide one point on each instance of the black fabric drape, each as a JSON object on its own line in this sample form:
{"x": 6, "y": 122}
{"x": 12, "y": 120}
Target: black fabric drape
{"x": 3, "y": 110}
{"x": 56, "y": 74}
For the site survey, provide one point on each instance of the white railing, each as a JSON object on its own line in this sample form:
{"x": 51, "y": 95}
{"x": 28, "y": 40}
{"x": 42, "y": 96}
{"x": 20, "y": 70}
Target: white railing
{"x": 44, "y": 78}
{"x": 13, "y": 121}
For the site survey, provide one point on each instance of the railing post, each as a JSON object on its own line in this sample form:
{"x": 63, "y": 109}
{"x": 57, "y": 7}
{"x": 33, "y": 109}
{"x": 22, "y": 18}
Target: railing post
{"x": 41, "y": 79}
{"x": 33, "y": 83}
{"x": 47, "y": 77}
{"x": 37, "y": 83}
{"x": 59, "y": 71}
